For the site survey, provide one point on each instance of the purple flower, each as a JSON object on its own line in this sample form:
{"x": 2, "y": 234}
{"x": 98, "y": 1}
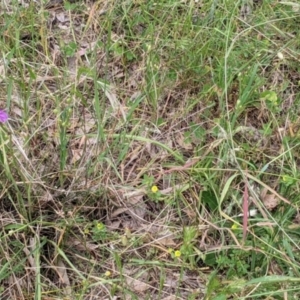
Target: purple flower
{"x": 3, "y": 116}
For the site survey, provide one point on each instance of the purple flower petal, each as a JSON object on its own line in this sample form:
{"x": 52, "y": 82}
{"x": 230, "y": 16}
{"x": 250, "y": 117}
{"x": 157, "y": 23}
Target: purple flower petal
{"x": 3, "y": 116}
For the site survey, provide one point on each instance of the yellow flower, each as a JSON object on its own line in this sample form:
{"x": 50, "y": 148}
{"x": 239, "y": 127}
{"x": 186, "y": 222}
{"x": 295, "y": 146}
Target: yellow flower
{"x": 154, "y": 189}
{"x": 86, "y": 231}
{"x": 100, "y": 226}
{"x": 177, "y": 253}
{"x": 288, "y": 179}
{"x": 107, "y": 274}
{"x": 234, "y": 226}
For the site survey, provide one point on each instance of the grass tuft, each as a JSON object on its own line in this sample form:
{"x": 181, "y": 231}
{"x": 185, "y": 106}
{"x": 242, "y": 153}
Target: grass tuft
{"x": 151, "y": 150}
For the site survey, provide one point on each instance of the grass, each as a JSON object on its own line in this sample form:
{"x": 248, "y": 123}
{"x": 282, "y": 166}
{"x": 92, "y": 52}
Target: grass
{"x": 136, "y": 130}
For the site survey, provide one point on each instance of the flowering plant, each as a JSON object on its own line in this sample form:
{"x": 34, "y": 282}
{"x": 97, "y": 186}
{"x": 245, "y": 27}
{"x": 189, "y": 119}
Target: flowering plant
{"x": 3, "y": 116}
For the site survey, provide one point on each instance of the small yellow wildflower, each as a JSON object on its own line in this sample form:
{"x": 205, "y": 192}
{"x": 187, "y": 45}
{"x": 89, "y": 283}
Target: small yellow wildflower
{"x": 285, "y": 178}
{"x": 234, "y": 226}
{"x": 177, "y": 253}
{"x": 154, "y": 189}
{"x": 100, "y": 226}
{"x": 107, "y": 274}
{"x": 86, "y": 231}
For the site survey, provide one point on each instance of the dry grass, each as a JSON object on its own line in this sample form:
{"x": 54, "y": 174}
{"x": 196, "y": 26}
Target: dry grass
{"x": 136, "y": 128}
